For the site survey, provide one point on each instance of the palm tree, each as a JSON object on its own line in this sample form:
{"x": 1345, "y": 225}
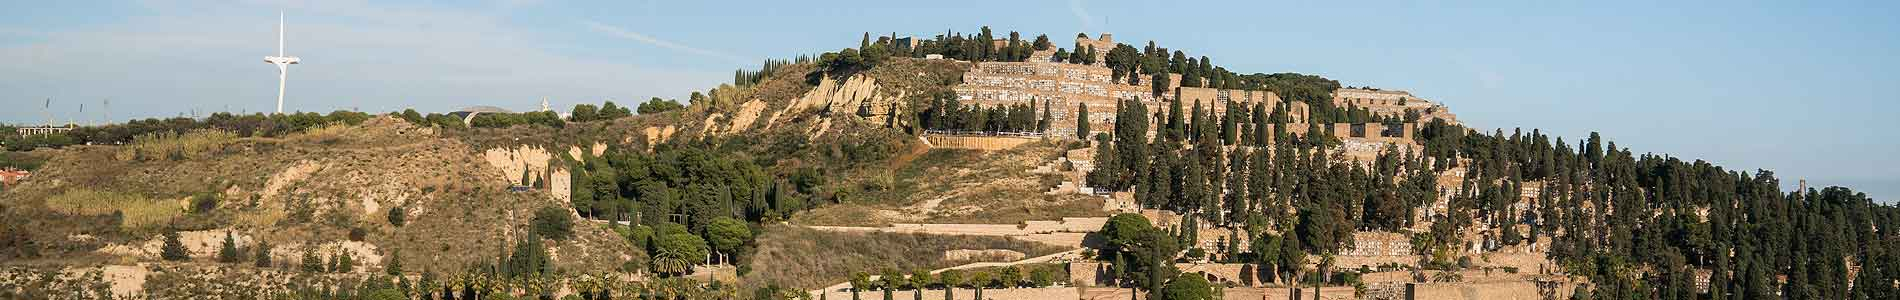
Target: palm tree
{"x": 667, "y": 263}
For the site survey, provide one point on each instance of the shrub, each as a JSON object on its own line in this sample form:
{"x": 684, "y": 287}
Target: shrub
{"x": 553, "y": 222}
{"x": 398, "y": 216}
{"x": 357, "y": 234}
{"x": 1043, "y": 277}
{"x": 204, "y": 203}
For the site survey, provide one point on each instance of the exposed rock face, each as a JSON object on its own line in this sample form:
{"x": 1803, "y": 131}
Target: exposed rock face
{"x": 747, "y": 116}
{"x": 856, "y": 95}
{"x": 510, "y": 163}
{"x": 561, "y": 185}
{"x": 656, "y": 134}
{"x": 289, "y": 176}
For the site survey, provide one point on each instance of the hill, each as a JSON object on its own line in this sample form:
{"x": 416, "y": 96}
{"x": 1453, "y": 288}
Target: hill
{"x": 1137, "y": 168}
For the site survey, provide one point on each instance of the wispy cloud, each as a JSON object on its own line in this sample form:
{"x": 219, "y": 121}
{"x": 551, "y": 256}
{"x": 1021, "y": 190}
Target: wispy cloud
{"x": 650, "y": 40}
{"x": 1089, "y": 21}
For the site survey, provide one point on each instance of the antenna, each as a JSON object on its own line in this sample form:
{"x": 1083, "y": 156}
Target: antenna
{"x": 108, "y": 110}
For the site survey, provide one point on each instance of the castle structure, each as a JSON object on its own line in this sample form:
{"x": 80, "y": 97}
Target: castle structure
{"x": 1064, "y": 86}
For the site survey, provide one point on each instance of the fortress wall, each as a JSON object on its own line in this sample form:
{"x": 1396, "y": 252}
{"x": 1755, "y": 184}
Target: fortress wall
{"x": 985, "y": 143}
{"x": 1489, "y": 290}
{"x": 1066, "y": 225}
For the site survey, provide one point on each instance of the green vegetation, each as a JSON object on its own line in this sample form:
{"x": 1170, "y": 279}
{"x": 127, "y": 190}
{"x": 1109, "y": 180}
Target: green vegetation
{"x": 1188, "y": 288}
{"x": 553, "y": 222}
{"x": 946, "y": 113}
{"x": 505, "y": 120}
{"x": 606, "y": 111}
{"x": 657, "y": 105}
{"x": 1654, "y": 200}
{"x": 253, "y": 125}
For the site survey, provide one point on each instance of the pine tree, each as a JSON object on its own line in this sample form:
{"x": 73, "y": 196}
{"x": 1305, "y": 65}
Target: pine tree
{"x": 394, "y": 266}
{"x": 174, "y": 250}
{"x": 345, "y": 264}
{"x": 228, "y": 253}
{"x": 262, "y": 257}
{"x": 311, "y": 262}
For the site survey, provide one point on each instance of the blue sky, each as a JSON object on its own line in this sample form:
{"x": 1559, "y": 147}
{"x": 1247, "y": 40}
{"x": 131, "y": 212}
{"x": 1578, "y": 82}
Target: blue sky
{"x": 1800, "y": 88}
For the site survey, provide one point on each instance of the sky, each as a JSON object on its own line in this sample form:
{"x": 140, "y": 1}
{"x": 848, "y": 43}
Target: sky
{"x": 1800, "y": 88}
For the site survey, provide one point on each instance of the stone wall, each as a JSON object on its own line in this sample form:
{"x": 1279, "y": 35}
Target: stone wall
{"x": 1492, "y": 290}
{"x": 986, "y": 143}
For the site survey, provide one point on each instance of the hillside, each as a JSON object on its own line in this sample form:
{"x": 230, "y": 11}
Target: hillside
{"x": 101, "y": 205}
{"x": 1131, "y": 170}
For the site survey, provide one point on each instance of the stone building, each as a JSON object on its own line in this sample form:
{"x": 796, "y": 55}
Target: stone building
{"x": 1392, "y": 103}
{"x": 1102, "y": 44}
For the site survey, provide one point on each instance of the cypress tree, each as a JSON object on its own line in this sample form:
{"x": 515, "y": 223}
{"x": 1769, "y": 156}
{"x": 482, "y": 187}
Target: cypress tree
{"x": 1177, "y": 127}
{"x": 1082, "y": 121}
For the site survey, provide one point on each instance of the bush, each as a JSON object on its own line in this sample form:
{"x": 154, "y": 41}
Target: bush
{"x": 204, "y": 203}
{"x": 398, "y": 216}
{"x": 357, "y": 234}
{"x": 553, "y": 222}
{"x": 1042, "y": 277}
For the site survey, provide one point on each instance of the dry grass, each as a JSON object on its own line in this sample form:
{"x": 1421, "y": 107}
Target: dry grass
{"x": 139, "y": 211}
{"x": 323, "y": 135}
{"x": 974, "y": 187}
{"x": 172, "y": 146}
{"x": 807, "y": 259}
